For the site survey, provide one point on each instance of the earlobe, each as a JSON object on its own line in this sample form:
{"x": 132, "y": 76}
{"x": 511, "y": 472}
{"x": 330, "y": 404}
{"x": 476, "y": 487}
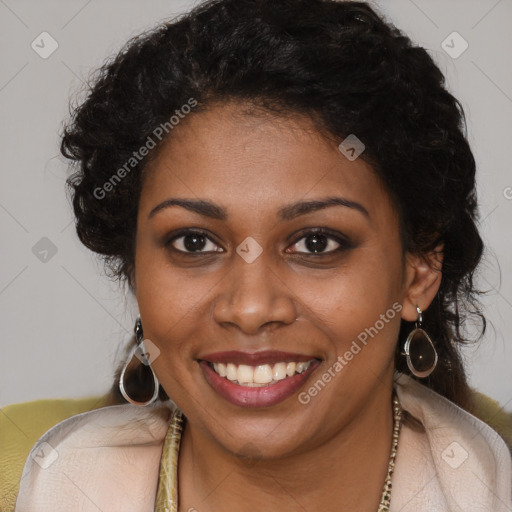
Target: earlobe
{"x": 423, "y": 279}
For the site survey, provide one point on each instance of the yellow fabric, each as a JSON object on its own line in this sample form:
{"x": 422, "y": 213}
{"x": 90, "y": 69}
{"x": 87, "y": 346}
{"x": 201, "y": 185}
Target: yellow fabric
{"x": 21, "y": 425}
{"x": 167, "y": 493}
{"x": 490, "y": 412}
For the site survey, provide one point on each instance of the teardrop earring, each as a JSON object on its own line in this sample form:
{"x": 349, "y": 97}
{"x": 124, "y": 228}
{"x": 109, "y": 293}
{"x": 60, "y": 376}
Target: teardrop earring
{"x": 420, "y": 353}
{"x": 142, "y": 387}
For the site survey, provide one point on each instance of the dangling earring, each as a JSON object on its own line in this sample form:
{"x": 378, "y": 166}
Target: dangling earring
{"x": 142, "y": 376}
{"x": 419, "y": 350}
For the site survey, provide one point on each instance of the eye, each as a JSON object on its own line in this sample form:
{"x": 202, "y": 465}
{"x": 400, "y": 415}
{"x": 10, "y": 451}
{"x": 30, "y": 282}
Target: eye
{"x": 190, "y": 242}
{"x": 320, "y": 241}
{"x": 317, "y": 242}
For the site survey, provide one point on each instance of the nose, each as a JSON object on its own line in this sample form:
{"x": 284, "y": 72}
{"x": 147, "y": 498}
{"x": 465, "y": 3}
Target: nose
{"x": 254, "y": 297}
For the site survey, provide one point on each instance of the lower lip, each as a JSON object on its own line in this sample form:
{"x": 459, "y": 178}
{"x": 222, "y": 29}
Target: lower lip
{"x": 264, "y": 396}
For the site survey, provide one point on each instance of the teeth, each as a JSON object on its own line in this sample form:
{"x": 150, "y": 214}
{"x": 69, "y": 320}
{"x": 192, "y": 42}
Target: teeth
{"x": 231, "y": 371}
{"x": 221, "y": 369}
{"x": 245, "y": 373}
{"x": 300, "y": 367}
{"x": 262, "y": 375}
{"x": 279, "y": 371}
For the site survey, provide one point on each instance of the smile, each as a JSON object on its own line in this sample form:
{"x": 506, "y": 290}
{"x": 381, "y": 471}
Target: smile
{"x": 257, "y": 380}
{"x": 261, "y": 375}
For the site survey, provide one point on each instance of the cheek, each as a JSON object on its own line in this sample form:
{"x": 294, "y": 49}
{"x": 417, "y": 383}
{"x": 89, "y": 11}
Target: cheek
{"x": 361, "y": 321}
{"x": 351, "y": 306}
{"x": 173, "y": 311}
{"x": 169, "y": 297}
{"x": 175, "y": 308}
{"x": 359, "y": 308}
{"x": 360, "y": 289}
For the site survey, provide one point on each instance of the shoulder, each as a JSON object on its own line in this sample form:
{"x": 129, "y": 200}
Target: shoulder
{"x": 447, "y": 457}
{"x": 106, "y": 458}
{"x": 21, "y": 425}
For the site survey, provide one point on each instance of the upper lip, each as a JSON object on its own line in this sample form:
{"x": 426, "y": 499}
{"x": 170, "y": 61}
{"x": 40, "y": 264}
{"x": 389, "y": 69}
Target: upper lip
{"x": 255, "y": 358}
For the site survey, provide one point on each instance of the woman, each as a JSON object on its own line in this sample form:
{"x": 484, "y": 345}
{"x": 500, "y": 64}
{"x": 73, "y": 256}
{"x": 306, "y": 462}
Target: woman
{"x": 288, "y": 191}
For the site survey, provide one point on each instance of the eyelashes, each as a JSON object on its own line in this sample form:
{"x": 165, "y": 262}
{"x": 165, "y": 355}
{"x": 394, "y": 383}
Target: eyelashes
{"x": 314, "y": 242}
{"x": 323, "y": 240}
{"x": 194, "y": 238}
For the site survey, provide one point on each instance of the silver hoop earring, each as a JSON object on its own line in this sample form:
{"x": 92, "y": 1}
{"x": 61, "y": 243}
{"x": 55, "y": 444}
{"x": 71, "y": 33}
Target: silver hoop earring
{"x": 142, "y": 374}
{"x": 419, "y": 351}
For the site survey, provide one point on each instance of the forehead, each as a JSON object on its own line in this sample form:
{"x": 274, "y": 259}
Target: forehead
{"x": 251, "y": 161}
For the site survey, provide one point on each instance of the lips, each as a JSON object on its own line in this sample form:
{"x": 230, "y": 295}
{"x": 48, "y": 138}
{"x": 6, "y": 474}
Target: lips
{"x": 257, "y": 379}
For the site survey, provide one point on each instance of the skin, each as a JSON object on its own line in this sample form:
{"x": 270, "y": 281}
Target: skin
{"x": 330, "y": 454}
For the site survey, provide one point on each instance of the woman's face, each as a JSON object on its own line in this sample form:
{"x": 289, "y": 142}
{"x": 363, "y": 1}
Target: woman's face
{"x": 233, "y": 292}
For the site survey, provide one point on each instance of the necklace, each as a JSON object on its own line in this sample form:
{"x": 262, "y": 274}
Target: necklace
{"x": 385, "y": 500}
{"x": 167, "y": 496}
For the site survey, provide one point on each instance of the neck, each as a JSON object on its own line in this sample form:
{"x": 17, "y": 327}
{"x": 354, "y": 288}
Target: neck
{"x": 345, "y": 473}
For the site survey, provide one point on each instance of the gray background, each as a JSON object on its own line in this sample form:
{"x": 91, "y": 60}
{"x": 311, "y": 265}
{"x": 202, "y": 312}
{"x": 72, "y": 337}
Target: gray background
{"x": 63, "y": 324}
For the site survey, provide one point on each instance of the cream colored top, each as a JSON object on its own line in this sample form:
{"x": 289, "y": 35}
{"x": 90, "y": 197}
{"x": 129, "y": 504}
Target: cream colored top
{"x": 110, "y": 459}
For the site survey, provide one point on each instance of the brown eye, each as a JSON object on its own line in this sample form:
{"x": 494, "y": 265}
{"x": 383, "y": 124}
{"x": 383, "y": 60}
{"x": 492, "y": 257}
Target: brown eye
{"x": 320, "y": 242}
{"x": 190, "y": 242}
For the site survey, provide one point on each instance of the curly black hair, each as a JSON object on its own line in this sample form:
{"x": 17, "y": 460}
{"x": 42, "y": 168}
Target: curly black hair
{"x": 338, "y": 62}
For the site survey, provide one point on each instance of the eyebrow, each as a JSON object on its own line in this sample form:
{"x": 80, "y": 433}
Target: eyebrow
{"x": 286, "y": 213}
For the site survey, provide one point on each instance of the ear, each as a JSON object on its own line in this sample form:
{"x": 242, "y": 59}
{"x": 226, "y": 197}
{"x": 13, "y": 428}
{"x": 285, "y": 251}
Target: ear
{"x": 422, "y": 280}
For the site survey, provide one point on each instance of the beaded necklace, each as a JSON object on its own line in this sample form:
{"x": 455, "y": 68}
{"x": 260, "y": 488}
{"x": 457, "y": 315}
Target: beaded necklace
{"x": 167, "y": 496}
